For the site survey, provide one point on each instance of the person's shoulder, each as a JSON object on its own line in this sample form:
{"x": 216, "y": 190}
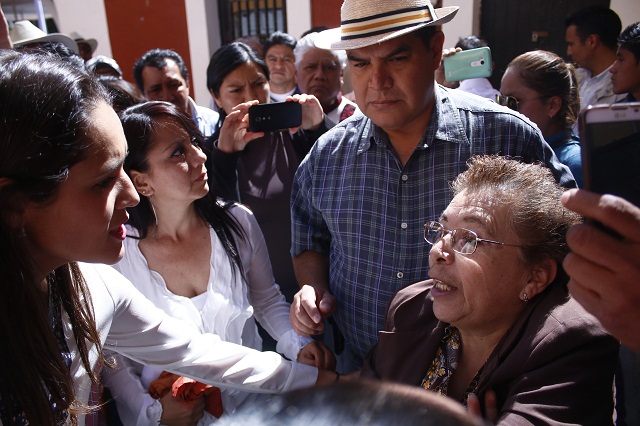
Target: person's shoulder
{"x": 561, "y": 315}
{"x": 207, "y": 113}
{"x": 343, "y": 133}
{"x": 411, "y": 294}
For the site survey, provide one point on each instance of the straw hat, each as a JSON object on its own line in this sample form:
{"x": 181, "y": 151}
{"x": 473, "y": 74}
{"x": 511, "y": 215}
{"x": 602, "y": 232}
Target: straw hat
{"x": 367, "y": 22}
{"x": 24, "y": 32}
{"x": 92, "y": 42}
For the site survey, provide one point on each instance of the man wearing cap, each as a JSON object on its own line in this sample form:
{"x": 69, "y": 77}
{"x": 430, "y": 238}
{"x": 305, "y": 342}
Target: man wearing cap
{"x": 362, "y": 195}
{"x": 162, "y": 75}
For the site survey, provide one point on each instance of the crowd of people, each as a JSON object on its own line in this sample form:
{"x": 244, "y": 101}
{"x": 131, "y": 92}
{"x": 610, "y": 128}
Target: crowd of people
{"x": 424, "y": 243}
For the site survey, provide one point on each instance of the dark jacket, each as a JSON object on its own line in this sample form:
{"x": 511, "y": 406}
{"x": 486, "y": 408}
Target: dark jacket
{"x": 554, "y": 366}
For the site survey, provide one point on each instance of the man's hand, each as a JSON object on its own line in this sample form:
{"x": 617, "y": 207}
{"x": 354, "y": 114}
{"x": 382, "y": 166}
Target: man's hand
{"x": 605, "y": 270}
{"x": 308, "y": 310}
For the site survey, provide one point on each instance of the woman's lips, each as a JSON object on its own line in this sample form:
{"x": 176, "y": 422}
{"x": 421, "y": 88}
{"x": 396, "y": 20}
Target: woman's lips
{"x": 120, "y": 232}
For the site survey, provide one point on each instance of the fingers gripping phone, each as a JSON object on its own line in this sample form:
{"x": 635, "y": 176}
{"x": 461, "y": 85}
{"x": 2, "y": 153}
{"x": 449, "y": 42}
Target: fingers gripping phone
{"x": 472, "y": 63}
{"x": 274, "y": 116}
{"x": 610, "y": 139}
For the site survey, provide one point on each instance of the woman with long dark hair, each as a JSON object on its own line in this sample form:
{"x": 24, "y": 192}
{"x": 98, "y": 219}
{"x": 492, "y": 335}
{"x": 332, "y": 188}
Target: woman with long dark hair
{"x": 63, "y": 200}
{"x": 257, "y": 168}
{"x": 197, "y": 258}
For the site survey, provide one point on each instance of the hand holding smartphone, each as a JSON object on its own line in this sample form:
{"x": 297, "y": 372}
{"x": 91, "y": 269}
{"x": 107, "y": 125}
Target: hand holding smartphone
{"x": 472, "y": 63}
{"x": 274, "y": 116}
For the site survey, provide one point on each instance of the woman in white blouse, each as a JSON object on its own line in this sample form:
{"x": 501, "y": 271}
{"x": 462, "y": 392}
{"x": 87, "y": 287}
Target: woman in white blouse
{"x": 63, "y": 200}
{"x": 197, "y": 258}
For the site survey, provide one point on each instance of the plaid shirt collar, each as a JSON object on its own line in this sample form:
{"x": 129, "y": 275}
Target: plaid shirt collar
{"x": 449, "y": 128}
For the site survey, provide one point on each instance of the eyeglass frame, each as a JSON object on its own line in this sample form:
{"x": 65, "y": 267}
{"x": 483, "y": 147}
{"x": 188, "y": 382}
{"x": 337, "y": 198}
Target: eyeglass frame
{"x": 452, "y": 232}
{"x": 504, "y": 100}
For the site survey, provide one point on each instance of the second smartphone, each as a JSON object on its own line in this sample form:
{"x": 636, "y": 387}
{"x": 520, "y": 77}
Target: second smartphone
{"x": 274, "y": 116}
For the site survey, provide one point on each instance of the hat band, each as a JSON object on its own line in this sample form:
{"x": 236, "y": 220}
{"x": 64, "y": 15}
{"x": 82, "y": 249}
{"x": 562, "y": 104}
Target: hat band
{"x": 383, "y": 23}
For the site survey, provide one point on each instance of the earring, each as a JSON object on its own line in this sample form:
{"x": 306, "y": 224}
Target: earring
{"x": 155, "y": 215}
{"x": 525, "y": 298}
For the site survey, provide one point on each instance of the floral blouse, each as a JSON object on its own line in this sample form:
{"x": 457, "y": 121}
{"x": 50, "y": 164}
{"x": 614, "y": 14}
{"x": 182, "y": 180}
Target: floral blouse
{"x": 445, "y": 364}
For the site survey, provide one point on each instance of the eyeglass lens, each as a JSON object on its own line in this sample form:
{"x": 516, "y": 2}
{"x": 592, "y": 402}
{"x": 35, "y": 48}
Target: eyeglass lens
{"x": 508, "y": 101}
{"x": 463, "y": 240}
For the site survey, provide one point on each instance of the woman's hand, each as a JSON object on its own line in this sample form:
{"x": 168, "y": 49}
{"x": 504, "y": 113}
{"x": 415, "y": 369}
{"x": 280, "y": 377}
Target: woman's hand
{"x": 312, "y": 114}
{"x": 317, "y": 354}
{"x": 234, "y": 136}
{"x": 177, "y": 412}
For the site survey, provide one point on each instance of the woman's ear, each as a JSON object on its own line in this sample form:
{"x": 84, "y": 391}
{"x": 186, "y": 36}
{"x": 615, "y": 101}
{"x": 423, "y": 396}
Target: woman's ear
{"x": 140, "y": 181}
{"x": 540, "y": 277}
{"x": 555, "y": 104}
{"x": 216, "y": 99}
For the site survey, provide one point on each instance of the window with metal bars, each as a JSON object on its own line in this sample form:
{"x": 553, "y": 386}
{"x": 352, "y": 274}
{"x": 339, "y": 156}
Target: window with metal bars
{"x": 251, "y": 18}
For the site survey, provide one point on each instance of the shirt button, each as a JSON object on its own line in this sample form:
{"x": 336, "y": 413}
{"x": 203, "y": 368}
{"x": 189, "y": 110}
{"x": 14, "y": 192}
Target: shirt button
{"x": 400, "y": 275}
{"x": 405, "y": 178}
{"x": 404, "y": 225}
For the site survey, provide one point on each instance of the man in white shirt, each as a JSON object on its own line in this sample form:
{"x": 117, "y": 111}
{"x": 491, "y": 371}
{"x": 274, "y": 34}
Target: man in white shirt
{"x": 592, "y": 39}
{"x": 280, "y": 60}
{"x": 319, "y": 73}
{"x": 162, "y": 75}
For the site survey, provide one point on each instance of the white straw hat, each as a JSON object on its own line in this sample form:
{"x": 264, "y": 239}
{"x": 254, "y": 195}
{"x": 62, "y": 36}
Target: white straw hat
{"x": 24, "y": 32}
{"x": 367, "y": 22}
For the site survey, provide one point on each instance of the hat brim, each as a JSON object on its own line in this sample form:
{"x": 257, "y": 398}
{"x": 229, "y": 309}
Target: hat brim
{"x": 55, "y": 37}
{"x": 92, "y": 42}
{"x": 331, "y": 39}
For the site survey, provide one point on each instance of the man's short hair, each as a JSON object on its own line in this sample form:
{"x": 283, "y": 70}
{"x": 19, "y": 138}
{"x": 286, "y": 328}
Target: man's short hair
{"x": 630, "y": 40}
{"x": 157, "y": 58}
{"x": 598, "y": 20}
{"x": 276, "y": 38}
{"x": 470, "y": 42}
{"x": 307, "y": 43}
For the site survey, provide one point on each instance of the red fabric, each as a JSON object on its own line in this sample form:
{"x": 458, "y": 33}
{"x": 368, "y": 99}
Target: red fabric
{"x": 188, "y": 390}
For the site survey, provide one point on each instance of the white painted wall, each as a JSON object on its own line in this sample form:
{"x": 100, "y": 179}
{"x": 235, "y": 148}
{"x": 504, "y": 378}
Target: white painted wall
{"x": 628, "y": 10}
{"x": 298, "y": 17}
{"x": 466, "y": 21}
{"x": 200, "y": 49}
{"x": 86, "y": 17}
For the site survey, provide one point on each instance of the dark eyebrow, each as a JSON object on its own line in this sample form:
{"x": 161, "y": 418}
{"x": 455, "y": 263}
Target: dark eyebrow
{"x": 401, "y": 49}
{"x": 472, "y": 219}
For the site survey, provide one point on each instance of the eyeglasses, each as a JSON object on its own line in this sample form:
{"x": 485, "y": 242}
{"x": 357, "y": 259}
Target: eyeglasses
{"x": 463, "y": 241}
{"x": 508, "y": 101}
{"x": 512, "y": 102}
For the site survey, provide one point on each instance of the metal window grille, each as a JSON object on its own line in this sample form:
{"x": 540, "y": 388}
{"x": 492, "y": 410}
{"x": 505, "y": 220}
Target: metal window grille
{"x": 251, "y": 18}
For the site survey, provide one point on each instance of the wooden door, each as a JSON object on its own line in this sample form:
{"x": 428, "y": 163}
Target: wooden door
{"x": 514, "y": 27}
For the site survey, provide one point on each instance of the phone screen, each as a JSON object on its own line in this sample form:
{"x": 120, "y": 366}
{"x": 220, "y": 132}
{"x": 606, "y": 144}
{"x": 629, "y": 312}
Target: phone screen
{"x": 611, "y": 151}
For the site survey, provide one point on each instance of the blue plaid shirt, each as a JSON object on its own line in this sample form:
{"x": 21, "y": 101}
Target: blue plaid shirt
{"x": 353, "y": 200}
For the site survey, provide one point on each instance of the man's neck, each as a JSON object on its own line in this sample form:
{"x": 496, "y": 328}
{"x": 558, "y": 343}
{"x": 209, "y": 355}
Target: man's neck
{"x": 406, "y": 139}
{"x": 601, "y": 62}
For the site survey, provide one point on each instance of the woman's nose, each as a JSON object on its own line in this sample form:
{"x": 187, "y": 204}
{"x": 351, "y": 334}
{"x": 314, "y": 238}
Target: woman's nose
{"x": 441, "y": 251}
{"x": 128, "y": 196}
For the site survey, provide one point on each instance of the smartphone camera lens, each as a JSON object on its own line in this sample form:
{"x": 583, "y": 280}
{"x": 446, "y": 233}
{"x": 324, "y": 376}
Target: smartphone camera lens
{"x": 482, "y": 62}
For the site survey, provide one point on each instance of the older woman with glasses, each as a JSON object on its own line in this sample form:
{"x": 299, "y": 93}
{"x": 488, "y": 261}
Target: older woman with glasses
{"x": 496, "y": 319}
{"x": 542, "y": 86}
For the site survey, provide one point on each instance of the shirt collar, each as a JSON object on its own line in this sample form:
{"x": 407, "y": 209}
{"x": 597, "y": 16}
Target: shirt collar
{"x": 445, "y": 125}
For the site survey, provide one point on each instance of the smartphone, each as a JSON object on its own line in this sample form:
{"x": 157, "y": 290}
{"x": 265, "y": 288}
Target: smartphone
{"x": 274, "y": 116}
{"x": 610, "y": 142}
{"x": 472, "y": 63}
{"x": 611, "y": 149}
